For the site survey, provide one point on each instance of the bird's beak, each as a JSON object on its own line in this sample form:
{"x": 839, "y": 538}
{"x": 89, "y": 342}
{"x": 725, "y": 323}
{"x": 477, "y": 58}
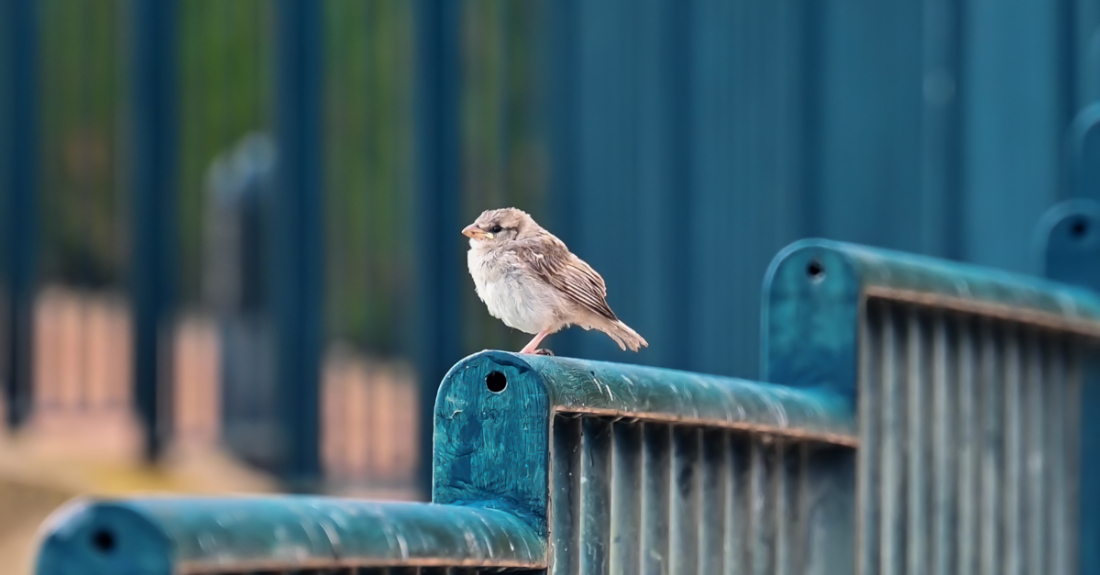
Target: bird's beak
{"x": 472, "y": 231}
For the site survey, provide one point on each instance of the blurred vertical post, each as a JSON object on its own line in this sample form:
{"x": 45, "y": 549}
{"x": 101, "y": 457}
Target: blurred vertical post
{"x": 297, "y": 258}
{"x": 562, "y": 59}
{"x": 19, "y": 189}
{"x": 154, "y": 259}
{"x": 437, "y": 208}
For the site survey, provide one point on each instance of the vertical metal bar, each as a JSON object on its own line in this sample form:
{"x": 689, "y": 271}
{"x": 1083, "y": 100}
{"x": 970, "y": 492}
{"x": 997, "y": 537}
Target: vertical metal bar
{"x": 626, "y": 498}
{"x": 1058, "y": 376}
{"x": 944, "y": 444}
{"x": 968, "y": 450}
{"x": 869, "y": 456}
{"x": 595, "y": 496}
{"x": 19, "y": 187}
{"x": 916, "y": 551}
{"x": 685, "y": 515}
{"x": 713, "y": 504}
{"x": 437, "y": 207}
{"x": 154, "y": 148}
{"x": 656, "y": 487}
{"x": 738, "y": 503}
{"x": 991, "y": 448}
{"x": 892, "y": 495}
{"x": 1011, "y": 522}
{"x": 1072, "y": 489}
{"x": 789, "y": 519}
{"x": 297, "y": 274}
{"x": 1038, "y": 528}
{"x": 565, "y": 514}
{"x": 760, "y": 521}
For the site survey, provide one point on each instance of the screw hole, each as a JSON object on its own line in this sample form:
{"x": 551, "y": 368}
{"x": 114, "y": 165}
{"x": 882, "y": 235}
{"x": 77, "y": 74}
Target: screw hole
{"x": 496, "y": 381}
{"x": 815, "y": 270}
{"x": 103, "y": 540}
{"x": 1079, "y": 229}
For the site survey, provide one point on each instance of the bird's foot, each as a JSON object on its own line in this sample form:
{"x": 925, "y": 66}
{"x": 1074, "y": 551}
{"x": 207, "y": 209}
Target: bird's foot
{"x": 543, "y": 352}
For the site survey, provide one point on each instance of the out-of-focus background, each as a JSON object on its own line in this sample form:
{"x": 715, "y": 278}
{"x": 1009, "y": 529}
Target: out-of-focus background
{"x": 230, "y": 256}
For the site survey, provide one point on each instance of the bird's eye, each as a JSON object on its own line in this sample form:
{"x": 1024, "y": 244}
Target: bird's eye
{"x": 495, "y": 229}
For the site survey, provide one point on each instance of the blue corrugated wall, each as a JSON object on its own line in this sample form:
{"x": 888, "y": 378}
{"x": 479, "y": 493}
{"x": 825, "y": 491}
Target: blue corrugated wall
{"x": 696, "y": 139}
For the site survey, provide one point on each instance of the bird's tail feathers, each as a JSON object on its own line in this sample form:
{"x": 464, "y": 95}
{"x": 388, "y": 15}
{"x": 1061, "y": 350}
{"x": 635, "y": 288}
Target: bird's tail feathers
{"x": 624, "y": 336}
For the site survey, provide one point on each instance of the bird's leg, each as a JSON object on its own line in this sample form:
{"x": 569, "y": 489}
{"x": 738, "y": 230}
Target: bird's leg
{"x": 531, "y": 347}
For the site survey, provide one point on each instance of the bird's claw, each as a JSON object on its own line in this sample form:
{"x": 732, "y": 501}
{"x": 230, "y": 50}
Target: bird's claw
{"x": 543, "y": 352}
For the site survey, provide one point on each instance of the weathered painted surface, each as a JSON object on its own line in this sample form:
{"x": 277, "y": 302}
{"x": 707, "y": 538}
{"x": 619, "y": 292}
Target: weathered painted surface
{"x": 815, "y": 289}
{"x": 493, "y": 447}
{"x": 633, "y": 469}
{"x": 242, "y": 534}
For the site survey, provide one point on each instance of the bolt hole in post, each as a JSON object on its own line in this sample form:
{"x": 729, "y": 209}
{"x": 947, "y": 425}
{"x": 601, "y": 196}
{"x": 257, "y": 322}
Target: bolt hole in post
{"x": 496, "y": 381}
{"x": 816, "y": 271}
{"x": 103, "y": 540}
{"x": 1079, "y": 229}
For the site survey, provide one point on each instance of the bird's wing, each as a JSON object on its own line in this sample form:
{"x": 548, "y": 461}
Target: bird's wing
{"x": 557, "y": 266}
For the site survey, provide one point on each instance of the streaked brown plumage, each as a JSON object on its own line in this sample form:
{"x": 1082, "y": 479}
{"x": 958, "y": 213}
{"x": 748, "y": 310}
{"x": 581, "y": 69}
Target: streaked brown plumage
{"x": 532, "y": 282}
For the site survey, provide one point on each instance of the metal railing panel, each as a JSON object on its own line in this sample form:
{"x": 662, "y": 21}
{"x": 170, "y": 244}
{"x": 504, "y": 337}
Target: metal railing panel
{"x": 969, "y": 384}
{"x": 696, "y": 500}
{"x": 967, "y": 462}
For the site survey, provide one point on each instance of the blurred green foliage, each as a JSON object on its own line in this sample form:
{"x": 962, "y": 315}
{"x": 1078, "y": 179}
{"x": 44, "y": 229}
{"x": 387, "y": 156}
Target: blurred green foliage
{"x": 226, "y": 74}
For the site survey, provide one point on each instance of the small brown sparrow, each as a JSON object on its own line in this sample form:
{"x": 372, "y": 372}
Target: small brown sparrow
{"x": 529, "y": 280}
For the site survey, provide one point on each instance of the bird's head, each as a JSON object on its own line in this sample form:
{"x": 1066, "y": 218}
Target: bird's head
{"x": 496, "y": 227}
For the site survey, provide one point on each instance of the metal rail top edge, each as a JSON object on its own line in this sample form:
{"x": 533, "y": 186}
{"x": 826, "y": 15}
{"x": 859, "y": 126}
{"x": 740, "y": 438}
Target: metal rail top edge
{"x": 935, "y": 282}
{"x": 207, "y": 535}
{"x": 649, "y": 394}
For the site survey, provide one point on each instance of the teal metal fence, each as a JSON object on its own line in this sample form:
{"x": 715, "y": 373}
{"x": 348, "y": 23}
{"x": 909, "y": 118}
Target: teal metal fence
{"x": 920, "y": 416}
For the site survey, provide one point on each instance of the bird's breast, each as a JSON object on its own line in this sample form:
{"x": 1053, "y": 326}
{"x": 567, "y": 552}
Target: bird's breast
{"x": 514, "y": 295}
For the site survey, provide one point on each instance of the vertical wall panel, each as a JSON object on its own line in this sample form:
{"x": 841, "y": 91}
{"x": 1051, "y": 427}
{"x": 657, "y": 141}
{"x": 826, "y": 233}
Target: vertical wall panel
{"x": 871, "y": 107}
{"x": 1014, "y": 118}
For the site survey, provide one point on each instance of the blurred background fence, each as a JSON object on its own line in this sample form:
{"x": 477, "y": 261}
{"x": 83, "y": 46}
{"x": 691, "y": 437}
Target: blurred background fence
{"x": 236, "y": 224}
